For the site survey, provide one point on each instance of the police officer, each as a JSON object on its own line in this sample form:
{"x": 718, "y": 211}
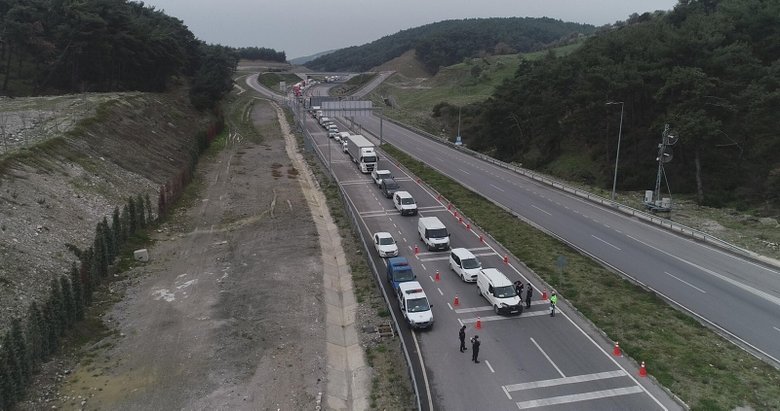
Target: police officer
{"x": 475, "y": 348}
{"x": 462, "y": 337}
{"x": 553, "y": 302}
{"x": 528, "y": 294}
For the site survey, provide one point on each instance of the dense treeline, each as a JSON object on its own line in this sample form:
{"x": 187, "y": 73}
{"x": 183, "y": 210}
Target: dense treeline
{"x": 261, "y": 53}
{"x": 33, "y": 340}
{"x": 52, "y": 46}
{"x": 708, "y": 68}
{"x": 449, "y": 42}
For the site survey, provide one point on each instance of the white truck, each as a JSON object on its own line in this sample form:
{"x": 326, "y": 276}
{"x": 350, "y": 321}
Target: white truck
{"x": 362, "y": 151}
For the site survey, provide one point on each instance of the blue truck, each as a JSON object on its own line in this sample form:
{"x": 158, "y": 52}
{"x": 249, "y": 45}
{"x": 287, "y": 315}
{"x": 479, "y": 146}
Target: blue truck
{"x": 399, "y": 271}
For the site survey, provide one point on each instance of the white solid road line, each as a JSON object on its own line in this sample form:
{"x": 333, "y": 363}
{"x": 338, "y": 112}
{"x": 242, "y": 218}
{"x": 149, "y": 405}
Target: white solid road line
{"x": 605, "y": 242}
{"x": 686, "y": 283}
{"x": 769, "y": 297}
{"x": 497, "y": 188}
{"x": 565, "y": 380}
{"x": 566, "y": 399}
{"x": 489, "y": 366}
{"x": 548, "y": 358}
{"x": 544, "y": 211}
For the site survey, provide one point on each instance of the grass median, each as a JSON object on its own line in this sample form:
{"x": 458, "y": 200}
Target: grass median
{"x": 699, "y": 366}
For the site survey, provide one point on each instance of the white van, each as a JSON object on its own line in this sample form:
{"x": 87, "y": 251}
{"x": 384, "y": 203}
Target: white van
{"x": 404, "y": 203}
{"x": 465, "y": 264}
{"x": 414, "y": 304}
{"x": 499, "y": 291}
{"x": 342, "y": 136}
{"x": 433, "y": 233}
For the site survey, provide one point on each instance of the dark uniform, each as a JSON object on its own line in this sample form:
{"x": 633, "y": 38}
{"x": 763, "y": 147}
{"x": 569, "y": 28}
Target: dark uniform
{"x": 475, "y": 348}
{"x": 528, "y": 295}
{"x": 462, "y": 337}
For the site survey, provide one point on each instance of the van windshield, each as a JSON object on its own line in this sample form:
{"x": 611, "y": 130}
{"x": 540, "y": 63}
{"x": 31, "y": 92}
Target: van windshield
{"x": 407, "y": 201}
{"x": 437, "y": 233}
{"x": 403, "y": 276}
{"x": 506, "y": 291}
{"x": 417, "y": 305}
{"x": 470, "y": 263}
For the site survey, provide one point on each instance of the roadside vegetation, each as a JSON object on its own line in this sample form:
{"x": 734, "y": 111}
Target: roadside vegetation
{"x": 272, "y": 80}
{"x": 352, "y": 85}
{"x": 702, "y": 368}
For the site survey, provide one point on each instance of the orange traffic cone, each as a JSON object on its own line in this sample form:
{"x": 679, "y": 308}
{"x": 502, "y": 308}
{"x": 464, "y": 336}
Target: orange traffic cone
{"x": 456, "y": 214}
{"x": 416, "y": 249}
{"x": 449, "y": 206}
{"x": 478, "y": 325}
{"x": 481, "y": 238}
{"x": 642, "y": 370}
{"x": 506, "y": 259}
{"x": 544, "y": 294}
{"x": 437, "y": 278}
{"x": 456, "y": 301}
{"x": 616, "y": 351}
{"x": 468, "y": 226}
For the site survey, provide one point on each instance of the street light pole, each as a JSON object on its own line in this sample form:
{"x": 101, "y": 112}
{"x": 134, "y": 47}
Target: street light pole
{"x": 617, "y": 155}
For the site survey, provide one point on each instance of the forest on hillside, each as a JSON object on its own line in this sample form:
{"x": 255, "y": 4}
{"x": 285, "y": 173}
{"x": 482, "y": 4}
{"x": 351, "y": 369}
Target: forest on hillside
{"x": 58, "y": 46}
{"x": 709, "y": 68}
{"x": 448, "y": 42}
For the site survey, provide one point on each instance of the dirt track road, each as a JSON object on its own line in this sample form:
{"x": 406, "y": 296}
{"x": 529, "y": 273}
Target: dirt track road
{"x": 228, "y": 314}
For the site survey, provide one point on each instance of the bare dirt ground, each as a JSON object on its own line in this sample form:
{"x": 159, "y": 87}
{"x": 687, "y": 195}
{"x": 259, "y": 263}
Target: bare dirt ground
{"x": 227, "y": 315}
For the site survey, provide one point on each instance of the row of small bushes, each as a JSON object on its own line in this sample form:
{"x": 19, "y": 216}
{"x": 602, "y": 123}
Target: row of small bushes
{"x": 33, "y": 340}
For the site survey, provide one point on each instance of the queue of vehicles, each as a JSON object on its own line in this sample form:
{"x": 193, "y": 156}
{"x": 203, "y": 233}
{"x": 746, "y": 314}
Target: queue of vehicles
{"x": 491, "y": 283}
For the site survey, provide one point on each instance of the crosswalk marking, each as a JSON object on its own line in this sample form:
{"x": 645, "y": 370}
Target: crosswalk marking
{"x": 586, "y": 396}
{"x": 565, "y": 380}
{"x": 489, "y": 308}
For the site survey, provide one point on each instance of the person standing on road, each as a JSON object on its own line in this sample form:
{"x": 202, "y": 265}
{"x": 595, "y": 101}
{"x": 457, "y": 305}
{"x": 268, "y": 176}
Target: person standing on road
{"x": 462, "y": 337}
{"x": 519, "y": 289}
{"x": 553, "y": 302}
{"x": 475, "y": 348}
{"x": 528, "y": 295}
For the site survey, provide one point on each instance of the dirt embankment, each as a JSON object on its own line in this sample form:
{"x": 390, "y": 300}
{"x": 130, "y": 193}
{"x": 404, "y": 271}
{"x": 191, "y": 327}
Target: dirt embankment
{"x": 73, "y": 162}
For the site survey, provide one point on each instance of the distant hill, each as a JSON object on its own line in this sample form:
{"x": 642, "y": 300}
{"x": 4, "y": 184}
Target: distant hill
{"x": 305, "y": 59}
{"x": 448, "y": 42}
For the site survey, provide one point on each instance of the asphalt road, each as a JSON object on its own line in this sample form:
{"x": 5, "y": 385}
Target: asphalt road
{"x": 530, "y": 361}
{"x": 738, "y": 297}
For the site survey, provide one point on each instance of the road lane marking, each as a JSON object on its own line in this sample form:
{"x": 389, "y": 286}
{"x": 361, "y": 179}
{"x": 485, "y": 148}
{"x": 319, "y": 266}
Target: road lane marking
{"x": 423, "y": 267}
{"x": 776, "y": 329}
{"x": 567, "y": 399}
{"x": 507, "y": 393}
{"x": 490, "y": 308}
{"x": 440, "y": 293}
{"x": 565, "y": 380}
{"x": 481, "y": 249}
{"x": 548, "y": 358}
{"x": 540, "y": 209}
{"x": 464, "y": 171}
{"x": 424, "y": 373}
{"x": 615, "y": 247}
{"x": 449, "y": 305}
{"x": 498, "y": 188}
{"x": 431, "y": 278}
{"x": 686, "y": 283}
{"x": 754, "y": 291}
{"x": 491, "y": 367}
{"x": 434, "y": 259}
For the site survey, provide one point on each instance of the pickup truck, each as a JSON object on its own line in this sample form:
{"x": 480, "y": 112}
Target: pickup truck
{"x": 378, "y": 175}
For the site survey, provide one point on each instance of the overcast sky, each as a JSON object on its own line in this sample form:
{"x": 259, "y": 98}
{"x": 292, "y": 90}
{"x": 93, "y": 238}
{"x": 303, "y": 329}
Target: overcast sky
{"x": 303, "y": 28}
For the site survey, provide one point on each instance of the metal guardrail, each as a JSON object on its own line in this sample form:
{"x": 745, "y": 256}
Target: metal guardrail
{"x": 650, "y": 218}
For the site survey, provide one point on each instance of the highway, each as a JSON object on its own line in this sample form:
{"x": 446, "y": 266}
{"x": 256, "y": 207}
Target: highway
{"x": 738, "y": 297}
{"x": 531, "y": 361}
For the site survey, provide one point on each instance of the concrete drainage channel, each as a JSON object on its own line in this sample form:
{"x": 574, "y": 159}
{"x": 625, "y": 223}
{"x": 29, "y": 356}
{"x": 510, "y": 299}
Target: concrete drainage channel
{"x": 348, "y": 373}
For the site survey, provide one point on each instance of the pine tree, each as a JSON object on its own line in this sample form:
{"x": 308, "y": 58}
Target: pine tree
{"x": 116, "y": 226}
{"x": 7, "y": 386}
{"x": 108, "y": 238}
{"x": 139, "y": 206}
{"x": 78, "y": 293}
{"x": 14, "y": 369}
{"x": 68, "y": 301}
{"x": 132, "y": 216}
{"x": 125, "y": 223}
{"x": 35, "y": 335}
{"x": 149, "y": 215}
{"x": 58, "y": 307}
{"x": 100, "y": 256}
{"x": 19, "y": 346}
{"x": 161, "y": 203}
{"x": 87, "y": 284}
{"x": 52, "y": 335}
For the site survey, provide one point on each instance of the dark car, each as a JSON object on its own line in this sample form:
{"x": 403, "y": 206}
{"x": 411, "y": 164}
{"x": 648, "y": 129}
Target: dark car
{"x": 389, "y": 187}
